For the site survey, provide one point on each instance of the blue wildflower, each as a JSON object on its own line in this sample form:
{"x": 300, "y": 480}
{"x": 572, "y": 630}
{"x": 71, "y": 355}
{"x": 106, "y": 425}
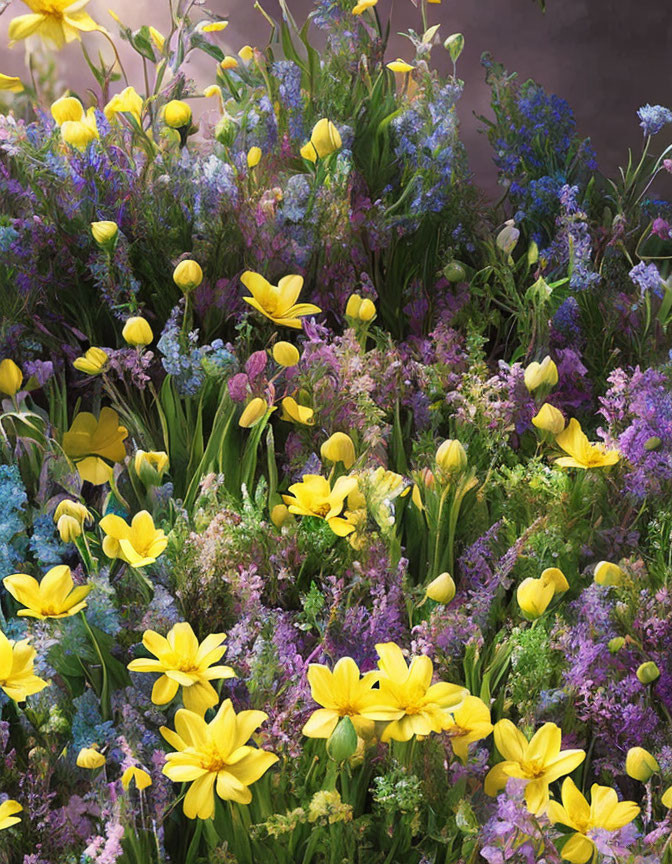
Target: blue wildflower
{"x": 653, "y": 118}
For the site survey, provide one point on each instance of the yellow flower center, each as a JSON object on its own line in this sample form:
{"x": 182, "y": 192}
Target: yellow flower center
{"x": 321, "y": 510}
{"x": 211, "y": 758}
{"x": 534, "y": 769}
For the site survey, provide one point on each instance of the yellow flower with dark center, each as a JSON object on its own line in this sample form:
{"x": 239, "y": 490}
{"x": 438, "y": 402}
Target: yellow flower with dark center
{"x": 138, "y": 544}
{"x": 54, "y": 21}
{"x": 605, "y": 812}
{"x": 314, "y": 497}
{"x": 278, "y": 302}
{"x": 325, "y": 139}
{"x": 133, "y": 773}
{"x": 470, "y": 722}
{"x": 54, "y": 597}
{"x": 343, "y": 692}
{"x": 215, "y": 756}
{"x": 8, "y": 811}
{"x": 129, "y": 101}
{"x": 89, "y": 442}
{"x": 10, "y": 83}
{"x": 295, "y": 413}
{"x": 540, "y": 761}
{"x": 17, "y": 677}
{"x": 92, "y": 362}
{"x": 408, "y": 700}
{"x": 582, "y": 454}
{"x": 183, "y": 662}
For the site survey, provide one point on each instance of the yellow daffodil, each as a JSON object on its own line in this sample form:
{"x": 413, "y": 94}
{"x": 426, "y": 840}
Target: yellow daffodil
{"x": 215, "y": 756}
{"x": 253, "y": 157}
{"x": 177, "y": 114}
{"x": 295, "y": 413}
{"x": 605, "y": 812}
{"x": 182, "y": 661}
{"x": 8, "y": 811}
{"x": 470, "y": 722}
{"x": 11, "y": 377}
{"x": 441, "y": 589}
{"x": 325, "y": 139}
{"x": 137, "y": 332}
{"x": 80, "y": 133}
{"x": 549, "y": 419}
{"x": 128, "y": 101}
{"x": 92, "y": 362}
{"x": 314, "y": 497}
{"x": 17, "y": 677}
{"x": 278, "y": 302}
{"x": 89, "y": 442}
{"x": 539, "y": 761}
{"x": 285, "y": 354}
{"x": 408, "y": 699}
{"x": 77, "y": 510}
{"x": 10, "y": 83}
{"x": 188, "y": 275}
{"x": 538, "y": 374}
{"x": 363, "y": 5}
{"x": 54, "y": 597}
{"x": 134, "y": 774}
{"x": 400, "y": 65}
{"x": 90, "y": 758}
{"x": 138, "y": 544}
{"x": 54, "y": 21}
{"x": 343, "y": 692}
{"x": 582, "y": 454}
{"x": 339, "y": 447}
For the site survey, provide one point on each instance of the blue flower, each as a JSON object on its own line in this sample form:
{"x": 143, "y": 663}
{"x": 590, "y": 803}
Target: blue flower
{"x": 653, "y": 118}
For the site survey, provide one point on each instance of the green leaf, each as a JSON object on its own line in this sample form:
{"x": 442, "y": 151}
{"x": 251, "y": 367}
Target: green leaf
{"x": 141, "y": 40}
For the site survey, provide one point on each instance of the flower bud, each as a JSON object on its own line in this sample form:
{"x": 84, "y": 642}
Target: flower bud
{"x": 253, "y": 157}
{"x": 557, "y": 578}
{"x": 441, "y": 589}
{"x": 648, "y": 672}
{"x": 607, "y": 573}
{"x": 549, "y": 419}
{"x": 614, "y": 645}
{"x": 150, "y": 466}
{"x": 640, "y": 764}
{"x": 666, "y": 800}
{"x": 254, "y": 411}
{"x": 11, "y": 377}
{"x": 507, "y": 238}
{"x": 137, "y": 332}
{"x": 400, "y": 66}
{"x": 188, "y": 275}
{"x": 451, "y": 456}
{"x": 69, "y": 528}
{"x": 280, "y": 516}
{"x": 427, "y": 477}
{"x": 455, "y": 272}
{"x": 533, "y": 596}
{"x": 367, "y": 310}
{"x": 67, "y": 108}
{"x": 76, "y": 509}
{"x": 177, "y": 114}
{"x": 652, "y": 443}
{"x": 532, "y": 253}
{"x": 545, "y": 373}
{"x": 92, "y": 362}
{"x": 229, "y": 62}
{"x": 352, "y": 306}
{"x": 105, "y": 233}
{"x": 80, "y": 133}
{"x": 285, "y": 354}
{"x": 226, "y": 130}
{"x": 89, "y": 757}
{"x": 325, "y": 139}
{"x": 246, "y": 53}
{"x": 339, "y": 448}
{"x": 342, "y": 743}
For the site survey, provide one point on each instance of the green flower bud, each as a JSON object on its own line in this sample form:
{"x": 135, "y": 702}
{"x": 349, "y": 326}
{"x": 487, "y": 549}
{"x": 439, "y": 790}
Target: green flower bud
{"x": 614, "y": 645}
{"x": 342, "y": 743}
{"x": 648, "y": 672}
{"x": 454, "y": 272}
{"x": 652, "y": 443}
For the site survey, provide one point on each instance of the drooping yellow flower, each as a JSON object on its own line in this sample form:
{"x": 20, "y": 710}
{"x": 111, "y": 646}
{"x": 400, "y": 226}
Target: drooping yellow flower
{"x": 253, "y": 413}
{"x": 278, "y": 302}
{"x": 325, "y": 139}
{"x": 158, "y": 39}
{"x": 67, "y": 108}
{"x": 408, "y": 699}
{"x": 441, "y": 589}
{"x": 538, "y": 374}
{"x": 54, "y": 597}
{"x": 92, "y": 362}
{"x": 229, "y": 62}
{"x": 468, "y": 723}
{"x": 177, "y": 114}
{"x": 75, "y": 509}
{"x": 363, "y": 5}
{"x": 540, "y": 761}
{"x": 557, "y": 578}
{"x": 343, "y": 692}
{"x": 182, "y": 661}
{"x": 285, "y": 354}
{"x": 54, "y": 21}
{"x": 339, "y": 447}
{"x": 11, "y": 377}
{"x": 138, "y": 544}
{"x": 137, "y": 332}
{"x": 17, "y": 677}
{"x": 8, "y": 811}
{"x": 10, "y": 83}
{"x": 150, "y": 466}
{"x": 89, "y": 442}
{"x": 215, "y": 756}
{"x": 582, "y": 454}
{"x": 295, "y": 413}
{"x": 90, "y": 758}
{"x": 314, "y": 497}
{"x": 80, "y": 133}
{"x": 246, "y": 53}
{"x": 400, "y": 65}
{"x": 133, "y": 773}
{"x": 69, "y": 529}
{"x": 129, "y": 101}
{"x": 605, "y": 812}
{"x": 640, "y": 764}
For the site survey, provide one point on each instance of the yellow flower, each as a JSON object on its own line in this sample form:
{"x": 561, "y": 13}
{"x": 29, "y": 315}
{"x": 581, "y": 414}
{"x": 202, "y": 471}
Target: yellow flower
{"x": 278, "y": 302}
{"x": 8, "y": 809}
{"x": 339, "y": 448}
{"x": 539, "y": 761}
{"x": 150, "y": 466}
{"x": 92, "y": 362}
{"x": 363, "y": 5}
{"x": 557, "y": 578}
{"x": 253, "y": 413}
{"x": 142, "y": 778}
{"x": 158, "y": 39}
{"x": 314, "y": 497}
{"x": 451, "y": 456}
{"x": 470, "y": 722}
{"x": 538, "y": 374}
{"x": 648, "y": 672}
{"x": 214, "y": 27}
{"x": 89, "y": 441}
{"x": 104, "y": 232}
{"x": 215, "y": 755}
{"x": 441, "y": 589}
{"x": 253, "y": 157}
{"x": 11, "y": 83}
{"x": 126, "y": 102}
{"x": 296, "y": 413}
{"x": 67, "y": 108}
{"x": 11, "y": 377}
{"x": 549, "y": 419}
{"x": 17, "y": 678}
{"x": 341, "y": 693}
{"x": 69, "y": 528}
{"x": 285, "y": 354}
{"x": 229, "y": 62}
{"x": 408, "y": 699}
{"x": 360, "y": 309}
{"x": 66, "y": 507}
{"x": 534, "y": 595}
{"x": 583, "y": 454}
{"x": 188, "y": 275}
{"x": 607, "y": 573}
{"x": 246, "y": 53}
{"x": 182, "y": 661}
{"x": 89, "y": 757}
{"x": 80, "y": 133}
{"x": 400, "y": 65}
{"x": 138, "y": 544}
{"x": 54, "y": 597}
{"x": 55, "y": 21}
{"x": 137, "y": 332}
{"x": 666, "y": 800}
{"x": 280, "y": 516}
{"x": 325, "y": 139}
{"x": 177, "y": 114}
{"x": 640, "y": 764}
{"x": 604, "y": 812}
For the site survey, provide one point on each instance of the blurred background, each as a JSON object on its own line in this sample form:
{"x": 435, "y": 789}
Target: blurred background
{"x": 606, "y": 57}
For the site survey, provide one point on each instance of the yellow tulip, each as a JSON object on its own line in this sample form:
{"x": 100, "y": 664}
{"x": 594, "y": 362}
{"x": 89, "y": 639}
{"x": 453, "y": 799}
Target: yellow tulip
{"x": 253, "y": 413}
{"x": 295, "y": 413}
{"x": 538, "y": 374}
{"x": 278, "y": 303}
{"x": 363, "y": 5}
{"x": 343, "y": 692}
{"x": 285, "y": 354}
{"x": 211, "y": 91}
{"x": 253, "y": 157}
{"x": 339, "y": 448}
{"x": 468, "y": 723}
{"x": 54, "y": 21}
{"x": 11, "y": 377}
{"x": 92, "y": 362}
{"x": 80, "y": 133}
{"x": 607, "y": 573}
{"x": 177, "y": 114}
{"x": 137, "y": 332}
{"x": 549, "y": 419}
{"x": 90, "y": 758}
{"x": 138, "y": 544}
{"x": 133, "y": 773}
{"x": 69, "y": 528}
{"x": 325, "y": 139}
{"x": 441, "y": 589}
{"x": 8, "y": 811}
{"x": 246, "y": 53}
{"x": 640, "y": 764}
{"x": 533, "y": 596}
{"x": 105, "y": 232}
{"x": 360, "y": 309}
{"x": 54, "y": 597}
{"x": 314, "y": 497}
{"x": 583, "y": 454}
{"x": 400, "y": 65}
{"x": 17, "y": 678}
{"x": 89, "y": 441}
{"x": 127, "y": 102}
{"x": 451, "y": 456}
{"x": 67, "y": 108}
{"x": 78, "y": 511}
{"x": 150, "y": 466}
{"x": 12, "y": 84}
{"x": 188, "y": 275}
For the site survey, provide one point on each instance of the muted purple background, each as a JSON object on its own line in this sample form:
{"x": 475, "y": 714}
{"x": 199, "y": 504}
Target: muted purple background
{"x": 606, "y": 57}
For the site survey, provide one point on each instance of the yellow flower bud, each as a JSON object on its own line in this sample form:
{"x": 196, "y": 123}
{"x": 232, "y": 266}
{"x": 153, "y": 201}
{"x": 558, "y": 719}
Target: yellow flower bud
{"x": 150, "y": 466}
{"x": 281, "y": 516}
{"x": 533, "y": 596}
{"x": 428, "y": 479}
{"x": 451, "y": 456}
{"x": 137, "y": 332}
{"x": 229, "y": 62}
{"x": 215, "y": 26}
{"x": 545, "y": 373}
{"x": 11, "y": 377}
{"x": 400, "y": 66}
{"x": 286, "y": 354}
{"x": 246, "y": 53}
{"x": 441, "y": 589}
{"x": 142, "y": 778}
{"x": 339, "y": 448}
{"x": 158, "y": 38}
{"x": 648, "y": 672}
{"x": 212, "y": 90}
{"x": 614, "y": 645}
{"x": 666, "y": 800}
{"x": 67, "y": 108}
{"x": 416, "y": 497}
{"x": 640, "y": 764}
{"x": 342, "y": 743}
{"x": 92, "y": 362}
{"x": 367, "y": 310}
{"x": 76, "y": 509}
{"x": 363, "y": 5}
{"x": 69, "y": 528}
{"x": 188, "y": 275}
{"x": 557, "y": 578}
{"x": 89, "y": 757}
{"x": 607, "y": 573}
{"x": 549, "y": 419}
{"x": 353, "y": 305}
{"x": 325, "y": 139}
{"x": 104, "y": 233}
{"x": 254, "y": 411}
{"x": 177, "y": 114}
{"x": 253, "y": 157}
